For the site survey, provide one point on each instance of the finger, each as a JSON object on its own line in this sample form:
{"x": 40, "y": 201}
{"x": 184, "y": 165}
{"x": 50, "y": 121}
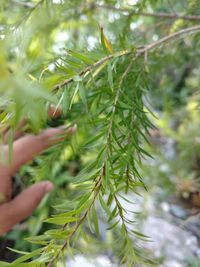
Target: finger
{"x": 18, "y": 133}
{"x": 53, "y": 112}
{"x": 5, "y": 185}
{"x": 25, "y": 148}
{"x": 23, "y": 205}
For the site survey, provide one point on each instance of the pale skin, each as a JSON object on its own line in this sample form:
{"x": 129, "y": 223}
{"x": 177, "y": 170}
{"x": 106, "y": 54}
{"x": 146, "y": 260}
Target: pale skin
{"x": 25, "y": 148}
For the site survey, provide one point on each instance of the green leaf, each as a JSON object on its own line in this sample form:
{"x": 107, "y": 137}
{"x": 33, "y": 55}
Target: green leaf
{"x": 81, "y": 57}
{"x": 95, "y": 220}
{"x": 139, "y": 234}
{"x": 90, "y": 223}
{"x": 73, "y": 63}
{"x": 113, "y": 225}
{"x": 27, "y": 257}
{"x": 58, "y": 234}
{"x": 98, "y": 70}
{"x": 18, "y": 251}
{"x": 4, "y": 264}
{"x": 103, "y": 205}
{"x": 110, "y": 199}
{"x": 84, "y": 201}
{"x": 61, "y": 220}
{"x": 37, "y": 239}
{"x": 73, "y": 97}
{"x": 82, "y": 92}
{"x": 107, "y": 172}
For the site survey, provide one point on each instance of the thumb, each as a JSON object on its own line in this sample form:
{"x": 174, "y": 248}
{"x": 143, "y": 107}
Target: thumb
{"x": 23, "y": 205}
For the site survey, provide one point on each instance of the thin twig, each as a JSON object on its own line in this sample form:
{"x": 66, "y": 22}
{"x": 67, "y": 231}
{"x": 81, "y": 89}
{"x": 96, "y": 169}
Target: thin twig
{"x": 139, "y": 51}
{"x": 170, "y": 37}
{"x": 147, "y": 14}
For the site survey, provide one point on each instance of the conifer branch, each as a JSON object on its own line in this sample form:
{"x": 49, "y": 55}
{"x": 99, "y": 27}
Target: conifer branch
{"x": 98, "y": 183}
{"x": 138, "y": 51}
{"x": 91, "y": 67}
{"x": 113, "y": 109}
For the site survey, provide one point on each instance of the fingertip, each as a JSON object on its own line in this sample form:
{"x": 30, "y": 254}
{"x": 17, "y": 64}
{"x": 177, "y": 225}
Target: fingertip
{"x": 23, "y": 205}
{"x": 48, "y": 186}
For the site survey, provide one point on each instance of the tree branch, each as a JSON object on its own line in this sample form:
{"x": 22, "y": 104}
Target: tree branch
{"x": 90, "y": 67}
{"x": 99, "y": 181}
{"x": 139, "y": 51}
{"x": 170, "y": 37}
{"x": 147, "y": 14}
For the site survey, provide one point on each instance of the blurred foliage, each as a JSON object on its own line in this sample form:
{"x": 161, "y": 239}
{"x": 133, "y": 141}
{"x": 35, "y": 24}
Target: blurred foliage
{"x": 95, "y": 60}
{"x": 193, "y": 262}
{"x": 177, "y": 148}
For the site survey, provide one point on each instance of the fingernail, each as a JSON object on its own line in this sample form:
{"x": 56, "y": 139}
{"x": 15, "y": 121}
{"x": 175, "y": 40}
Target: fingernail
{"x": 48, "y": 186}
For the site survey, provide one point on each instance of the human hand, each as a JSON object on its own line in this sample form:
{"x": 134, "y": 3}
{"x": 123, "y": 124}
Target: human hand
{"x": 25, "y": 147}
